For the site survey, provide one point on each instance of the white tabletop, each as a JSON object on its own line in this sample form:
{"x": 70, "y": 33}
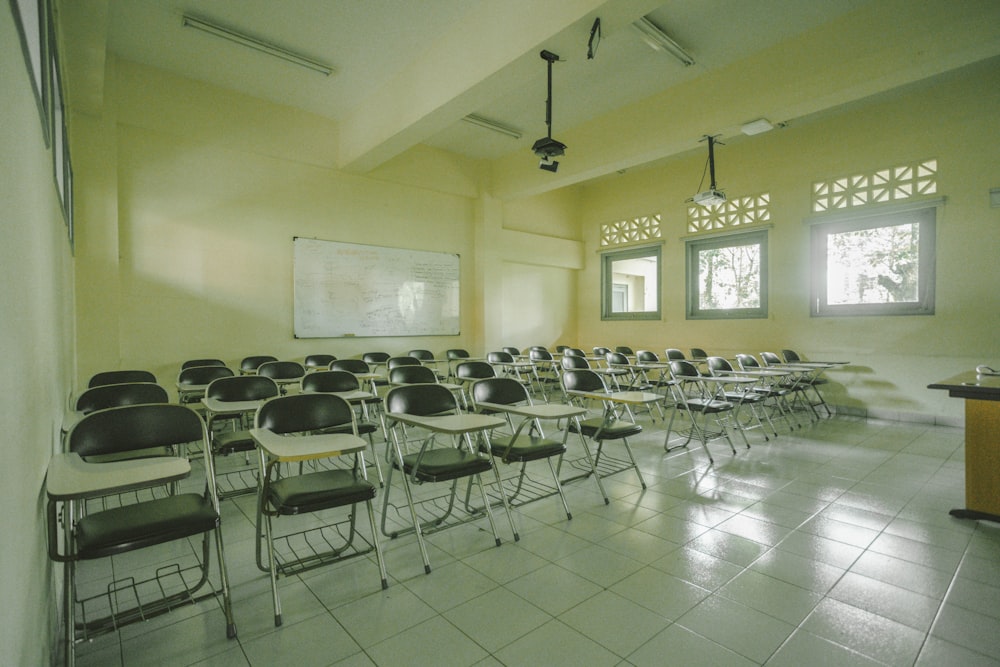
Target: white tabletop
{"x": 452, "y": 424}
{"x": 216, "y": 406}
{"x": 304, "y": 447}
{"x": 69, "y": 477}
{"x": 626, "y": 397}
{"x": 540, "y": 411}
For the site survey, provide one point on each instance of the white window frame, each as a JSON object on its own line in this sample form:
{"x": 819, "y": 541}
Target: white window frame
{"x": 922, "y": 213}
{"x": 695, "y": 245}
{"x": 608, "y": 258}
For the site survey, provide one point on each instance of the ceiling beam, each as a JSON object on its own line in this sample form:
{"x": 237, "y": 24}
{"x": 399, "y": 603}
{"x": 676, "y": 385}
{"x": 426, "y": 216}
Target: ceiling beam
{"x": 487, "y": 50}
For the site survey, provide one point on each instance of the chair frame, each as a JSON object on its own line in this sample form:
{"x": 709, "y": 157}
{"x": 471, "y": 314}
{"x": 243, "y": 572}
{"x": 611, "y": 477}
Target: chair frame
{"x": 704, "y": 401}
{"x": 466, "y": 459}
{"x": 90, "y": 534}
{"x": 286, "y": 430}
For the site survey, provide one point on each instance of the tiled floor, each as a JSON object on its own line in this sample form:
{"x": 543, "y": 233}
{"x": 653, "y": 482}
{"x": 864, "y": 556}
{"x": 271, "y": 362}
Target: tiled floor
{"x": 829, "y": 546}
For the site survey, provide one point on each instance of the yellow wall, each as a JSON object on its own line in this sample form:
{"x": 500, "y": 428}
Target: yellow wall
{"x": 195, "y": 259}
{"x": 36, "y": 337}
{"x": 954, "y": 119}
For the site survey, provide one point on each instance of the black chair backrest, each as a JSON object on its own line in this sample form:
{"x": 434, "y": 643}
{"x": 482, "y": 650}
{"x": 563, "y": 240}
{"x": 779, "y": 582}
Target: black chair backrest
{"x": 624, "y": 349}
{"x": 396, "y": 362}
{"x": 717, "y": 364}
{"x": 790, "y": 356}
{"x": 202, "y": 362}
{"x": 770, "y": 358}
{"x": 539, "y": 354}
{"x": 572, "y": 362}
{"x": 561, "y": 348}
{"x": 500, "y": 358}
{"x": 134, "y": 427}
{"x": 420, "y": 399}
{"x": 474, "y": 370}
{"x": 242, "y": 388}
{"x": 674, "y": 354}
{"x": 115, "y": 395}
{"x": 375, "y": 357}
{"x": 199, "y": 375}
{"x": 582, "y": 380}
{"x": 351, "y": 366}
{"x": 574, "y": 352}
{"x": 506, "y": 391}
{"x": 281, "y": 370}
{"x": 304, "y": 412}
{"x": 680, "y": 368}
{"x": 119, "y": 377}
{"x": 698, "y": 353}
{"x": 538, "y": 347}
{"x": 319, "y": 360}
{"x": 456, "y": 353}
{"x": 512, "y": 351}
{"x": 412, "y": 375}
{"x": 251, "y": 364}
{"x": 747, "y": 361}
{"x": 422, "y": 355}
{"x": 600, "y": 351}
{"x": 330, "y": 381}
{"x": 617, "y": 359}
{"x": 647, "y": 357}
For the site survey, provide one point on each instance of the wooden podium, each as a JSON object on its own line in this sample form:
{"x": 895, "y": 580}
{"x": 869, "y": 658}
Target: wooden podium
{"x": 982, "y": 442}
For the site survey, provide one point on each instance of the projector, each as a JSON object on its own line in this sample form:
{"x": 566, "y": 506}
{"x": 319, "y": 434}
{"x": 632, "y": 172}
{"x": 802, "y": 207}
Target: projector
{"x": 547, "y": 147}
{"x": 709, "y": 198}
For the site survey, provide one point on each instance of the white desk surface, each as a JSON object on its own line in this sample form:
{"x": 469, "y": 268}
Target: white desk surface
{"x": 69, "y": 477}
{"x": 288, "y": 448}
{"x": 626, "y": 397}
{"x": 215, "y": 406}
{"x": 451, "y": 424}
{"x": 540, "y": 411}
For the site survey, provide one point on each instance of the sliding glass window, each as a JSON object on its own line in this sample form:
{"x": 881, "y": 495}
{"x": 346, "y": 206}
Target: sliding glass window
{"x": 727, "y": 276}
{"x": 874, "y": 265}
{"x": 630, "y": 284}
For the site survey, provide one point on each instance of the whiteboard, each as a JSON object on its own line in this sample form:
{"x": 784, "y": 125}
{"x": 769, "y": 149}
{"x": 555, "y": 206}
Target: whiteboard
{"x": 348, "y": 289}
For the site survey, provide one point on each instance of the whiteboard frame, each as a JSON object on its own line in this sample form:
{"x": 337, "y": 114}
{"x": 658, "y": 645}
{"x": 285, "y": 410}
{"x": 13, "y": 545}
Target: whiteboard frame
{"x": 387, "y": 276}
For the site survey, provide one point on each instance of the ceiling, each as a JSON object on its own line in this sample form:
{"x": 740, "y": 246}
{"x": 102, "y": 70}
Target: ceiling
{"x": 407, "y": 73}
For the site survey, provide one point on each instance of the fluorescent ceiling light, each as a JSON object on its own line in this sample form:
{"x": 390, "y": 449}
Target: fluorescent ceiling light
{"x": 257, "y": 45}
{"x": 758, "y": 126}
{"x": 491, "y": 125}
{"x": 660, "y": 41}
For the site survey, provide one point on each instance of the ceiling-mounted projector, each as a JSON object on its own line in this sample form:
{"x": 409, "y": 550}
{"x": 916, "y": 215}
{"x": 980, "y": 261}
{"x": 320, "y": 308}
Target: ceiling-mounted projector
{"x": 713, "y": 196}
{"x": 709, "y": 198}
{"x": 547, "y": 148}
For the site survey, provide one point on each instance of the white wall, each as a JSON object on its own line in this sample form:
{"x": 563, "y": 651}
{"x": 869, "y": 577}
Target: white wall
{"x": 953, "y": 119}
{"x": 36, "y": 339}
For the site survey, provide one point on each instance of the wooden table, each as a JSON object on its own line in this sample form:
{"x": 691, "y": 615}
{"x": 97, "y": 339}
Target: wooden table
{"x": 982, "y": 442}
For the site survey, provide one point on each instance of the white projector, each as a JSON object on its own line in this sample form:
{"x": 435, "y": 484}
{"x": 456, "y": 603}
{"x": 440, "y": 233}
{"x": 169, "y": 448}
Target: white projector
{"x": 709, "y": 198}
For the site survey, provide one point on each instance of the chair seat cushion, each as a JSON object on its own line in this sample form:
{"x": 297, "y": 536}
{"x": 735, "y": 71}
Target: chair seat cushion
{"x": 526, "y": 448}
{"x": 142, "y": 525}
{"x": 439, "y": 465}
{"x": 316, "y": 491}
{"x": 230, "y": 442}
{"x": 597, "y": 428}
{"x": 706, "y": 406}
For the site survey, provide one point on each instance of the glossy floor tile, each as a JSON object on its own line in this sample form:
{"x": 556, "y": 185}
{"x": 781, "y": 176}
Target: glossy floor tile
{"x": 829, "y": 545}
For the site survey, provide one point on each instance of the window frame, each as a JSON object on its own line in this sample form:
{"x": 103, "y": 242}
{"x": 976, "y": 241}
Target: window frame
{"x": 922, "y": 213}
{"x": 608, "y": 258}
{"x": 694, "y": 245}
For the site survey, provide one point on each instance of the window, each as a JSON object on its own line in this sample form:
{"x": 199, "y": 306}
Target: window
{"x": 727, "y": 276}
{"x": 630, "y": 284}
{"x": 875, "y": 265}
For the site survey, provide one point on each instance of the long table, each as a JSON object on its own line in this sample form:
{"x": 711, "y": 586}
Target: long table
{"x": 982, "y": 442}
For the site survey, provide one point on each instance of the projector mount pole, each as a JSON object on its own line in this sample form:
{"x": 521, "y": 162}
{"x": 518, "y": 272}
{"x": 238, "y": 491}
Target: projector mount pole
{"x": 711, "y": 159}
{"x": 550, "y": 58}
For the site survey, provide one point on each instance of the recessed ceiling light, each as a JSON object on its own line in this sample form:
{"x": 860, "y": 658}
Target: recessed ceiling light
{"x": 758, "y": 126}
